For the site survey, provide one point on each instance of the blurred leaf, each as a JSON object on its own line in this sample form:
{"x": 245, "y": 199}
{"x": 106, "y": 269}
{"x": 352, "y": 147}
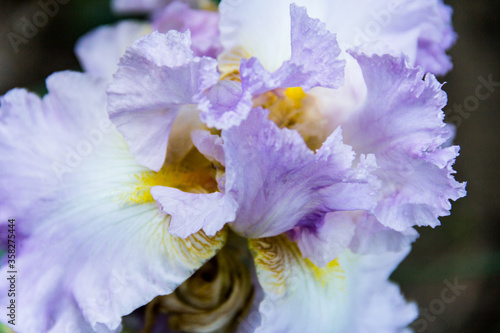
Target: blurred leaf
{"x": 5, "y": 329}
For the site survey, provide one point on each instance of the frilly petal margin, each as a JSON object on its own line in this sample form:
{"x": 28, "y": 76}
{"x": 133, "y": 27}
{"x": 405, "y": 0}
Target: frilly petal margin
{"x": 436, "y": 37}
{"x": 280, "y": 184}
{"x": 344, "y": 296}
{"x": 156, "y": 77}
{"x": 20, "y": 172}
{"x": 421, "y": 30}
{"x": 402, "y": 124}
{"x": 88, "y": 255}
{"x": 100, "y": 50}
{"x": 315, "y": 61}
{"x": 203, "y": 25}
{"x": 25, "y": 124}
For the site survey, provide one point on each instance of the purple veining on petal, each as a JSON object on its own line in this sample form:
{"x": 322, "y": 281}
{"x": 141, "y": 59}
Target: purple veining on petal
{"x": 279, "y": 183}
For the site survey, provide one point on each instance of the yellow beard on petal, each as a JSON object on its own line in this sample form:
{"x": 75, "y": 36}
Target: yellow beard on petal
{"x": 281, "y": 267}
{"x": 188, "y": 179}
{"x": 324, "y": 274}
{"x": 194, "y": 173}
{"x": 197, "y": 248}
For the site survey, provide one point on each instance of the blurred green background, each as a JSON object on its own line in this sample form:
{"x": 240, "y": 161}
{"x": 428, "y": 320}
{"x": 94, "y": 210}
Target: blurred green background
{"x": 465, "y": 248}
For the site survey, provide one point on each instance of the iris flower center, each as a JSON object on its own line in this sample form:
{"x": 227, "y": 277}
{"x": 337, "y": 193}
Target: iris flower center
{"x": 294, "y": 109}
{"x": 194, "y": 173}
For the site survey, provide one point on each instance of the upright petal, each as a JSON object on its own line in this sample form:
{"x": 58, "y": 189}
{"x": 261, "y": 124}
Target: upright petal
{"x": 279, "y": 183}
{"x": 402, "y": 124}
{"x": 94, "y": 249}
{"x": 344, "y": 296}
{"x": 203, "y": 25}
{"x": 259, "y": 29}
{"x": 314, "y": 62}
{"x": 156, "y": 78}
{"x": 314, "y": 59}
{"x": 419, "y": 29}
{"x": 437, "y": 36}
{"x": 100, "y": 50}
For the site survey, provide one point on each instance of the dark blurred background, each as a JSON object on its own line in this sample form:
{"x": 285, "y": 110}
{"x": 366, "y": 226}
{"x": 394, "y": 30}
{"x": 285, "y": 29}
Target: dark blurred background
{"x": 465, "y": 250}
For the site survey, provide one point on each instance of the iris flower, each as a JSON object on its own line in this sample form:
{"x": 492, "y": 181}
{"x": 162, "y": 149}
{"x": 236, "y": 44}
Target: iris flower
{"x": 141, "y": 189}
